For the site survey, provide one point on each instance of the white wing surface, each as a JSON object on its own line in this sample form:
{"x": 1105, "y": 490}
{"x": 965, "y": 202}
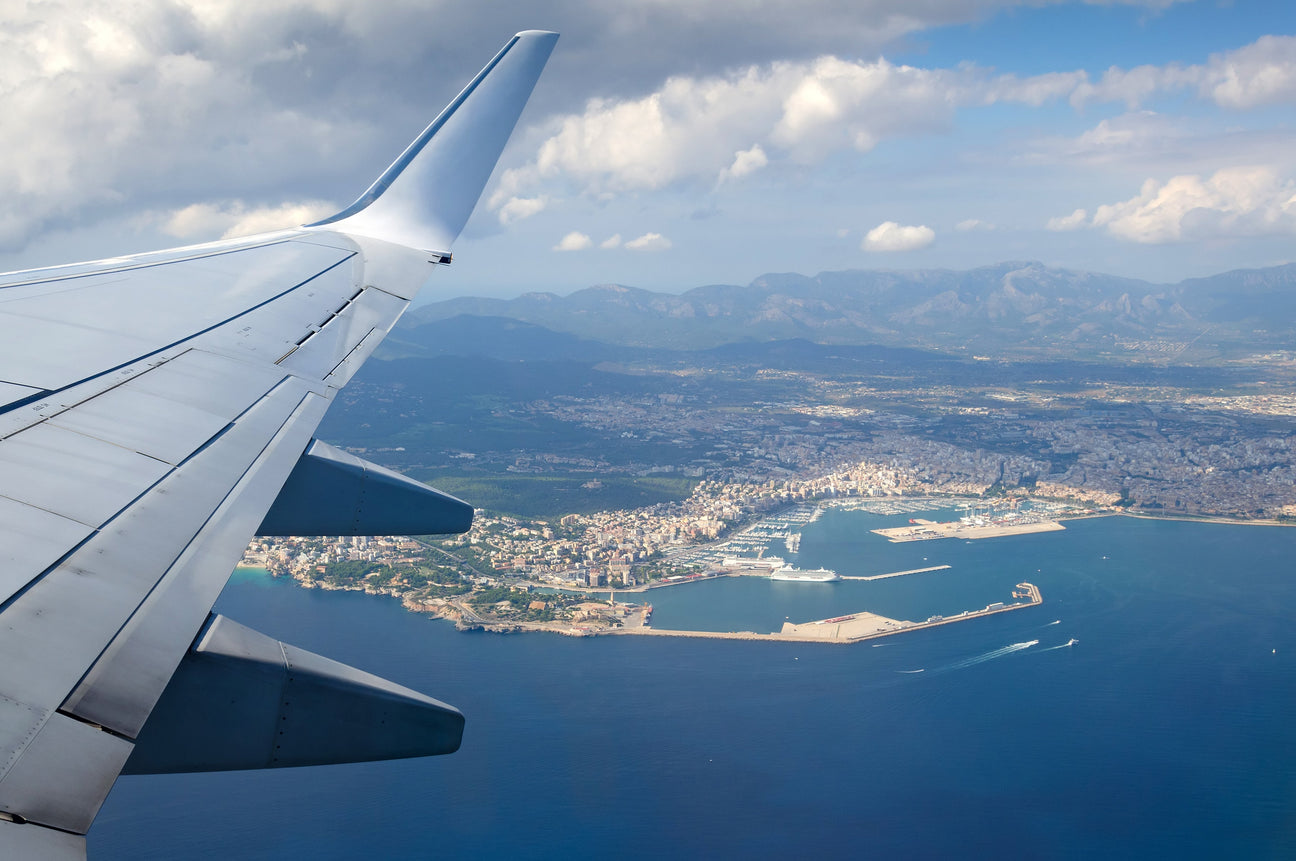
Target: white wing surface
{"x": 155, "y": 413}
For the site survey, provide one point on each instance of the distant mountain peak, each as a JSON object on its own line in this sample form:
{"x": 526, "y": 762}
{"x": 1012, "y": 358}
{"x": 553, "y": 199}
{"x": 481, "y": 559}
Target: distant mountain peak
{"x": 1010, "y": 308}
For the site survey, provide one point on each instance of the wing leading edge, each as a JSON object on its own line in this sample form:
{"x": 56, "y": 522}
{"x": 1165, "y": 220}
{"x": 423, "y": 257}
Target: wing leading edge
{"x": 155, "y": 413}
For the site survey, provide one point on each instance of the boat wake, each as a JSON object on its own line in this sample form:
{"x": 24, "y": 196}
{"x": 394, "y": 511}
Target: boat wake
{"x": 907, "y": 672}
{"x": 1068, "y": 644}
{"x": 1051, "y": 624}
{"x": 990, "y": 656}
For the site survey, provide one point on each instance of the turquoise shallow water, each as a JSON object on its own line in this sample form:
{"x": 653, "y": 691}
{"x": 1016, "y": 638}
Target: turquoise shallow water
{"x": 1164, "y": 731}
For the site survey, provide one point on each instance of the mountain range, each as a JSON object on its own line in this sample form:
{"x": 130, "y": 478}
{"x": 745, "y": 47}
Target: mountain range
{"x": 1009, "y": 310}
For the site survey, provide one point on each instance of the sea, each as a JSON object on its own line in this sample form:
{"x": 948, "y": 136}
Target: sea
{"x": 1146, "y": 709}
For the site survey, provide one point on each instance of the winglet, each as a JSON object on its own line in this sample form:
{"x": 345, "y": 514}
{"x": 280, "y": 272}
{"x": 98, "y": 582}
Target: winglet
{"x": 424, "y": 199}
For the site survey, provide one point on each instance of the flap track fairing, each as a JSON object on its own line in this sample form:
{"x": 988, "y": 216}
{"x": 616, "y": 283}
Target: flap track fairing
{"x": 331, "y": 492}
{"x": 243, "y": 700}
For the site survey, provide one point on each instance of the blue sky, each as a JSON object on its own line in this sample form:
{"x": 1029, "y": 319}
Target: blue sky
{"x": 1032, "y": 40}
{"x": 674, "y": 143}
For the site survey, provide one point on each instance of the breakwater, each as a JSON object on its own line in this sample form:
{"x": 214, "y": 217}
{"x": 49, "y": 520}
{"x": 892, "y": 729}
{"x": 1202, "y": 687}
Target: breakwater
{"x": 852, "y": 627}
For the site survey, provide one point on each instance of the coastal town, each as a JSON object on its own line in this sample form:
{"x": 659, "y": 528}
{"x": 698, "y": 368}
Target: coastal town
{"x": 512, "y": 574}
{"x": 1161, "y": 448}
{"x": 596, "y": 485}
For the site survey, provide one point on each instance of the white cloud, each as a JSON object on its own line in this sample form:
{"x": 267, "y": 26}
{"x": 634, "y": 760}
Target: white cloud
{"x": 890, "y": 236}
{"x": 973, "y": 224}
{"x": 649, "y": 242}
{"x": 692, "y": 128}
{"x": 1262, "y": 73}
{"x": 151, "y": 106}
{"x": 114, "y": 108}
{"x": 745, "y": 162}
{"x": 1074, "y": 221}
{"x": 1122, "y": 133}
{"x": 518, "y": 208}
{"x": 613, "y": 241}
{"x": 201, "y": 221}
{"x": 574, "y": 241}
{"x": 1243, "y": 201}
{"x": 1033, "y": 91}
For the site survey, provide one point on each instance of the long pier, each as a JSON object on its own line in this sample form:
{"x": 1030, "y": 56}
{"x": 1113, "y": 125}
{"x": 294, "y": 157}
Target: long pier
{"x": 898, "y": 573}
{"x": 851, "y": 628}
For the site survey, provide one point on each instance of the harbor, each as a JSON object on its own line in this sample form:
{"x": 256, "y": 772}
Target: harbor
{"x": 782, "y": 531}
{"x": 801, "y": 582}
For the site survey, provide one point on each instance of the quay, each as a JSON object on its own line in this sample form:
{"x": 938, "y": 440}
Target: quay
{"x": 851, "y": 628}
{"x": 929, "y": 530}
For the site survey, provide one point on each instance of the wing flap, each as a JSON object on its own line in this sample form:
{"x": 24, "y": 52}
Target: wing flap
{"x": 121, "y": 688}
{"x": 36, "y": 843}
{"x": 63, "y": 774}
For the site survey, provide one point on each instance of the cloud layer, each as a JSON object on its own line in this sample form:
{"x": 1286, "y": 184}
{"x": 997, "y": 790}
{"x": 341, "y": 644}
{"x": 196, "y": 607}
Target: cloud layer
{"x": 723, "y": 128}
{"x": 656, "y": 118}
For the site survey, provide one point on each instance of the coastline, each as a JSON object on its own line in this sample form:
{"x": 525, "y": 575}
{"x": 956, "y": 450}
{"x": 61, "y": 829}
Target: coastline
{"x": 840, "y": 630}
{"x": 1203, "y": 518}
{"x": 611, "y": 619}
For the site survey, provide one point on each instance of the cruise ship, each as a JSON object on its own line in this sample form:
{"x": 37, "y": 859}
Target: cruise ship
{"x": 819, "y": 575}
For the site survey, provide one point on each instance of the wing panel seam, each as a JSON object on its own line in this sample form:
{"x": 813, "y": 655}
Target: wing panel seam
{"x": 26, "y": 587}
{"x": 135, "y": 267}
{"x": 189, "y": 337}
{"x": 218, "y": 509}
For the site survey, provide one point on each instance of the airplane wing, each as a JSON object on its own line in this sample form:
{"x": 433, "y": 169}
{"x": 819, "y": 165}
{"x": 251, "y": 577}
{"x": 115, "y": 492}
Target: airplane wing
{"x": 156, "y": 412}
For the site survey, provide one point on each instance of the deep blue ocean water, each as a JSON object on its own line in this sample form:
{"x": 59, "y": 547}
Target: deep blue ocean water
{"x": 1167, "y": 730}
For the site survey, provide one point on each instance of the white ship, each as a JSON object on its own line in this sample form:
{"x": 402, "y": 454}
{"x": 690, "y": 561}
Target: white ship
{"x": 819, "y": 575}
